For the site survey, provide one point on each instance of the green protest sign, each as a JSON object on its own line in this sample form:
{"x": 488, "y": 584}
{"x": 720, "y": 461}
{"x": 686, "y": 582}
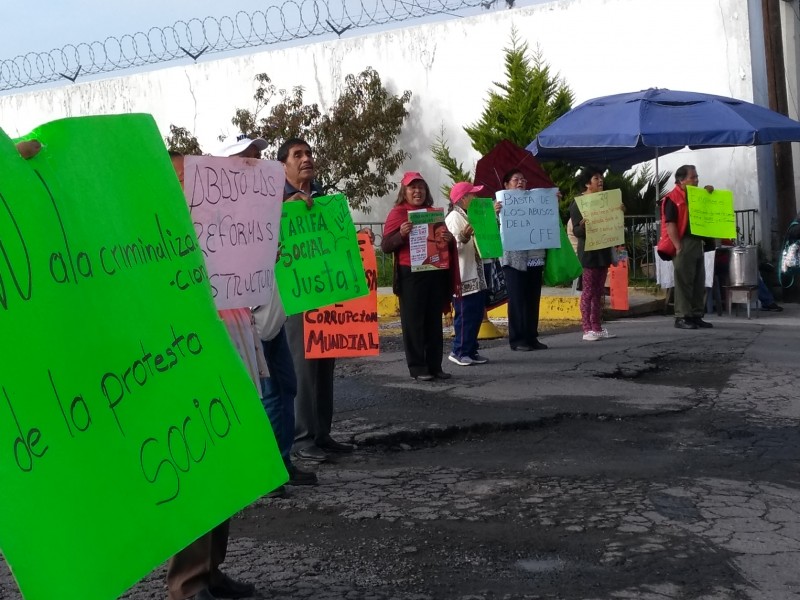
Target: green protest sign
{"x": 487, "y": 231}
{"x": 711, "y": 215}
{"x": 605, "y": 220}
{"x": 320, "y": 263}
{"x": 128, "y": 423}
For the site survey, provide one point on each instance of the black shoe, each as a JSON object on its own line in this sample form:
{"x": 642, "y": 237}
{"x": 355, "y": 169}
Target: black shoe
{"x": 521, "y": 348}
{"x": 442, "y": 375}
{"x": 424, "y": 377}
{"x": 311, "y": 453}
{"x": 278, "y": 492}
{"x": 331, "y": 445}
{"x": 300, "y": 477}
{"x": 537, "y": 345}
{"x": 702, "y": 324}
{"x": 772, "y": 307}
{"x": 684, "y": 324}
{"x": 225, "y": 587}
{"x": 203, "y": 595}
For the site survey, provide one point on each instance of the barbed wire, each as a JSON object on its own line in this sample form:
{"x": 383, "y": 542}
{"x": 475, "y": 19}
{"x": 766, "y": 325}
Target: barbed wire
{"x": 293, "y": 20}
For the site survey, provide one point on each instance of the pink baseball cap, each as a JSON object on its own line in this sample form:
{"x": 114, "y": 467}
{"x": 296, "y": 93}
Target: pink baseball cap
{"x": 461, "y": 189}
{"x": 410, "y": 176}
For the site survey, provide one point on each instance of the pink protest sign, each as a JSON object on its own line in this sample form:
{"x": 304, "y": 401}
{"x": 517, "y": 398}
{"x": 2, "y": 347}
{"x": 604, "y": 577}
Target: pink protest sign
{"x": 236, "y": 210}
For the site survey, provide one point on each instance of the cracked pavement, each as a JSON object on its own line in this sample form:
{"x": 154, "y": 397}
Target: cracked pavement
{"x": 661, "y": 464}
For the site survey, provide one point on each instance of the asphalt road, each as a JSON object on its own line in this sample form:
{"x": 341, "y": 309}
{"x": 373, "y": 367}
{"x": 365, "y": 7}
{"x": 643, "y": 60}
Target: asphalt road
{"x": 662, "y": 464}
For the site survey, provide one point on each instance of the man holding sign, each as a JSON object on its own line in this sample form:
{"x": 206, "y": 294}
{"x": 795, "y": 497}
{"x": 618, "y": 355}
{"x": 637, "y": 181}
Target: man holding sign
{"x": 689, "y": 261}
{"x": 314, "y": 400}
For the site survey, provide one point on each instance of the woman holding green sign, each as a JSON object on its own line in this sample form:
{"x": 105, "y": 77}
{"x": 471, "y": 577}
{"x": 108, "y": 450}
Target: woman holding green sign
{"x": 470, "y": 305}
{"x": 422, "y": 294}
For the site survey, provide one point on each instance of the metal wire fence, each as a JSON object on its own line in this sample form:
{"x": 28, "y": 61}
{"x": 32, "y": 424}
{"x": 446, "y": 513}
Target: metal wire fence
{"x": 290, "y": 21}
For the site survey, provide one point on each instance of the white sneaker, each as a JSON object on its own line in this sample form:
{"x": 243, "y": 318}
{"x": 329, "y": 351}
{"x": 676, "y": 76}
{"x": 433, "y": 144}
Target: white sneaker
{"x": 591, "y": 336}
{"x": 463, "y": 361}
{"x": 605, "y": 334}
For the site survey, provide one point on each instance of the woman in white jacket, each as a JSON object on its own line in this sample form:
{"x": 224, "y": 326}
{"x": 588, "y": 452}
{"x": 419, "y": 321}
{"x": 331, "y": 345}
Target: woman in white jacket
{"x": 469, "y": 308}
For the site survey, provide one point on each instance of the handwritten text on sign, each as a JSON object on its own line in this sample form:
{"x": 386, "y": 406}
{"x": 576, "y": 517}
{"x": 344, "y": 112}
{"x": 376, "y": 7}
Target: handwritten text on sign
{"x": 529, "y": 219}
{"x": 429, "y": 251}
{"x": 350, "y": 328}
{"x": 119, "y": 393}
{"x": 711, "y": 215}
{"x": 319, "y": 262}
{"x": 236, "y": 206}
{"x": 605, "y": 220}
{"x": 487, "y": 232}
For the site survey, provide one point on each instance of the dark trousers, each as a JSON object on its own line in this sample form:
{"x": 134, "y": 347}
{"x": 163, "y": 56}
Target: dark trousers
{"x": 280, "y": 389}
{"x": 422, "y": 297}
{"x": 468, "y": 311}
{"x": 195, "y": 567}
{"x": 524, "y": 295}
{"x": 313, "y": 404}
{"x": 690, "y": 278}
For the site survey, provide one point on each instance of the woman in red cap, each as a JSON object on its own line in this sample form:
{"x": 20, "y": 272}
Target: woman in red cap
{"x": 470, "y": 305}
{"x": 422, "y": 294}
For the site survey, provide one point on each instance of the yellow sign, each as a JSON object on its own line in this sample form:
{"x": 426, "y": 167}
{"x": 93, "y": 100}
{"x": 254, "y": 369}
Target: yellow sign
{"x": 605, "y": 220}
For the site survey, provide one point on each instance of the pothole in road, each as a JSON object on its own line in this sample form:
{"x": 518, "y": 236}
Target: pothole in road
{"x": 697, "y": 371}
{"x": 541, "y": 565}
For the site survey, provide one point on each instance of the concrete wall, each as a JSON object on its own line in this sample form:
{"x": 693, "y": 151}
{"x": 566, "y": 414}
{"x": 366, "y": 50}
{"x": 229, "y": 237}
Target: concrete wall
{"x": 599, "y": 46}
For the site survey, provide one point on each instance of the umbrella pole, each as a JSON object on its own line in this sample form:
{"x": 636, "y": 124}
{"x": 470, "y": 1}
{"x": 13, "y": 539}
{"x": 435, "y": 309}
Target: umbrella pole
{"x": 658, "y": 180}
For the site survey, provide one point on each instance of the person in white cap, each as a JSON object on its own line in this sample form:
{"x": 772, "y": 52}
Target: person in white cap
{"x": 470, "y": 305}
{"x": 243, "y": 146}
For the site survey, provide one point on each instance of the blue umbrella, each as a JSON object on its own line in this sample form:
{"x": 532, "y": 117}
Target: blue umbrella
{"x": 622, "y": 130}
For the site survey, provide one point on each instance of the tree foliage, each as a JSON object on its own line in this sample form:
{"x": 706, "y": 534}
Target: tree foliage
{"x": 181, "y": 140}
{"x": 638, "y": 189}
{"x": 353, "y": 142}
{"x": 517, "y": 109}
{"x": 442, "y": 154}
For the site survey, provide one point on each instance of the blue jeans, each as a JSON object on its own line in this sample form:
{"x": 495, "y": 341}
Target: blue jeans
{"x": 469, "y": 311}
{"x": 280, "y": 388}
{"x": 765, "y": 296}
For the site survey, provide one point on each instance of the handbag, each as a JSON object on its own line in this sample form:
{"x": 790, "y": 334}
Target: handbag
{"x": 790, "y": 260}
{"x": 561, "y": 265}
{"x": 496, "y": 290}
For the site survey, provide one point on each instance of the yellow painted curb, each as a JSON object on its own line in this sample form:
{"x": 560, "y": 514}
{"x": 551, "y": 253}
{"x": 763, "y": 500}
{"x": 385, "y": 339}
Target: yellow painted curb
{"x": 551, "y": 308}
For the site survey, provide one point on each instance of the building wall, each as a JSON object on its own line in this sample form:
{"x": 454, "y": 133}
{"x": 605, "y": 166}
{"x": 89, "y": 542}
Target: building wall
{"x": 598, "y": 46}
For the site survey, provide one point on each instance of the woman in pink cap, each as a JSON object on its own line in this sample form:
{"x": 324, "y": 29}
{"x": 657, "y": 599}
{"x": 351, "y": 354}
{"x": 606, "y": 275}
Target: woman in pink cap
{"x": 422, "y": 294}
{"x": 469, "y": 306}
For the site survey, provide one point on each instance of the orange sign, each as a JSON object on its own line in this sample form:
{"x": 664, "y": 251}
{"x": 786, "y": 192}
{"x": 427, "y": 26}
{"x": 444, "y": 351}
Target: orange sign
{"x": 350, "y": 328}
{"x": 618, "y": 284}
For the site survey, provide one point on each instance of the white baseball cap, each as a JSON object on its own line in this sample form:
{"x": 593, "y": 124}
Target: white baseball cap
{"x": 241, "y": 143}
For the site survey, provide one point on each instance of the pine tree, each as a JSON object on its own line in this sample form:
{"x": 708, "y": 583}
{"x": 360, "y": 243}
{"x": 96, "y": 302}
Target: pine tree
{"x": 530, "y": 98}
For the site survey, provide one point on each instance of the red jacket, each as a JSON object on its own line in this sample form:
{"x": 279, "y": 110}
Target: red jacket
{"x": 665, "y": 247}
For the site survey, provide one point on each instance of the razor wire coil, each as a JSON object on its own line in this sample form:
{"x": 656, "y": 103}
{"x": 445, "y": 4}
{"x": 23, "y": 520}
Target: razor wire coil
{"x": 293, "y": 20}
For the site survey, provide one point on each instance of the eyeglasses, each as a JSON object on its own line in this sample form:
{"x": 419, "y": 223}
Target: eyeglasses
{"x": 518, "y": 180}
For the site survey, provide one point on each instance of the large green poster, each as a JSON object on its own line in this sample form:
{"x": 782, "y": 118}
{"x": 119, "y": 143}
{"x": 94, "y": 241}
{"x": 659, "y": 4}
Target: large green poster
{"x": 711, "y": 213}
{"x": 128, "y": 424}
{"x": 319, "y": 262}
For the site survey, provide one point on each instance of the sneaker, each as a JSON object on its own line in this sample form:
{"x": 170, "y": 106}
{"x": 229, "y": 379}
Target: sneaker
{"x": 772, "y": 307}
{"x": 463, "y": 361}
{"x": 605, "y": 334}
{"x": 478, "y": 359}
{"x": 591, "y": 336}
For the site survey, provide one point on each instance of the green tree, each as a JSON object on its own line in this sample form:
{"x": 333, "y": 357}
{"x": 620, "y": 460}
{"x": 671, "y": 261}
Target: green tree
{"x": 530, "y": 98}
{"x": 181, "y": 140}
{"x": 354, "y": 142}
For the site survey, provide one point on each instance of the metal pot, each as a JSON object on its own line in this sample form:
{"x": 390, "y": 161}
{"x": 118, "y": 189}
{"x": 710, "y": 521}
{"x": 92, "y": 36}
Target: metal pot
{"x": 743, "y": 266}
